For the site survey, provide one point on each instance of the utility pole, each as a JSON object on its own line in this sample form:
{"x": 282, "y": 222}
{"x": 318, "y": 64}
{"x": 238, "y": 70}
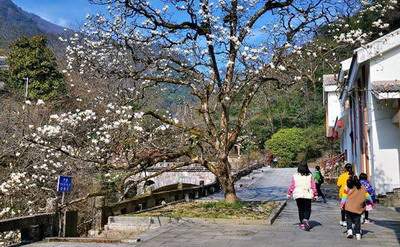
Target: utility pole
{"x": 26, "y": 87}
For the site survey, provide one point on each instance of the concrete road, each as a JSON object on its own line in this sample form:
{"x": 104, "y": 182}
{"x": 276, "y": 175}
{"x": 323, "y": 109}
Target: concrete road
{"x": 262, "y": 185}
{"x": 270, "y": 184}
{"x": 284, "y": 233}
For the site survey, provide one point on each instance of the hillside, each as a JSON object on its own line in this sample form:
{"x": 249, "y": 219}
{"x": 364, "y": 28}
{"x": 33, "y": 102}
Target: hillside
{"x": 15, "y": 22}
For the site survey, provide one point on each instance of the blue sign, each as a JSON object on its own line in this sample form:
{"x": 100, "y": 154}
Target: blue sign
{"x": 64, "y": 184}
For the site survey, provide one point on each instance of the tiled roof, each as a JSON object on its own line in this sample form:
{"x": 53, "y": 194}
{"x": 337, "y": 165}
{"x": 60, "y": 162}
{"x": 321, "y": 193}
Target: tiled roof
{"x": 386, "y": 86}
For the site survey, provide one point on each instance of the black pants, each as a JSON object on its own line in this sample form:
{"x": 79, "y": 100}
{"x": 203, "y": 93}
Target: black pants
{"x": 320, "y": 191}
{"x": 366, "y": 214}
{"x": 353, "y": 218}
{"x": 343, "y": 213}
{"x": 304, "y": 208}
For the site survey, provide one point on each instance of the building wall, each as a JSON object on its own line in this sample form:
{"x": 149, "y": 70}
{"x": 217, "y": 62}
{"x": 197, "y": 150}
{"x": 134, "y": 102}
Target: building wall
{"x": 345, "y": 141}
{"x": 333, "y": 108}
{"x": 384, "y": 135}
{"x": 357, "y": 136}
{"x": 385, "y": 146}
{"x": 386, "y": 67}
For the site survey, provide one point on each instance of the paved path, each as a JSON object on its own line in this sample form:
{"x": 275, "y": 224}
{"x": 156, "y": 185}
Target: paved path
{"x": 271, "y": 184}
{"x": 262, "y": 185}
{"x": 284, "y": 232}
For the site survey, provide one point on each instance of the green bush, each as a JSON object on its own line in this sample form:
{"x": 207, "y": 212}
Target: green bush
{"x": 286, "y": 144}
{"x": 293, "y": 145}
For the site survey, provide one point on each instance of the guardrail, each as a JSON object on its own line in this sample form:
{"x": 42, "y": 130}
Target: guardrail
{"x": 33, "y": 228}
{"x": 36, "y": 227}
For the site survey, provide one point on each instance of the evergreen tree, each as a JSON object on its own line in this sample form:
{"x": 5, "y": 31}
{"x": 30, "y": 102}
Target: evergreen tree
{"x": 31, "y": 58}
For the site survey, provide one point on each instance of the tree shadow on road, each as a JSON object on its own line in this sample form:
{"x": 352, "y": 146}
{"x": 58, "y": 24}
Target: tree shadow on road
{"x": 390, "y": 224}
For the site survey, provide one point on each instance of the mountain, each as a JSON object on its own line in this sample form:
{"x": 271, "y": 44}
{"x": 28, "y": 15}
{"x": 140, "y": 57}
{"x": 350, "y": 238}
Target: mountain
{"x": 15, "y": 22}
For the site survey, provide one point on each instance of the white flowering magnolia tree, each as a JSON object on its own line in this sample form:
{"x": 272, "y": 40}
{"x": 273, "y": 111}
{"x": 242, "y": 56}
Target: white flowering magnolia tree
{"x": 355, "y": 24}
{"x": 218, "y": 50}
{"x": 221, "y": 52}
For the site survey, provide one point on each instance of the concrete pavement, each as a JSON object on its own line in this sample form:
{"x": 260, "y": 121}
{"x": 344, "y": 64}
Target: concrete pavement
{"x": 325, "y": 232}
{"x": 271, "y": 184}
{"x": 265, "y": 185}
{"x": 262, "y": 185}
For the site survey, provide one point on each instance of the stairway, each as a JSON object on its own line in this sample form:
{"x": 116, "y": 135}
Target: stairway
{"x": 391, "y": 199}
{"x": 125, "y": 227}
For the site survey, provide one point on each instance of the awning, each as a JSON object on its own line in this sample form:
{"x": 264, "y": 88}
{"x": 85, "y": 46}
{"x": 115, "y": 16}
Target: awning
{"x": 386, "y": 89}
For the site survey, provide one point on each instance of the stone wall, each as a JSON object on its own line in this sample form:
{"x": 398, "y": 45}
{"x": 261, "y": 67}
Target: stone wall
{"x": 148, "y": 201}
{"x": 33, "y": 228}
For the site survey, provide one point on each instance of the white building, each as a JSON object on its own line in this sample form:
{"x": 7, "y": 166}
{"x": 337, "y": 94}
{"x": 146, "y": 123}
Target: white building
{"x": 369, "y": 102}
{"x": 331, "y": 103}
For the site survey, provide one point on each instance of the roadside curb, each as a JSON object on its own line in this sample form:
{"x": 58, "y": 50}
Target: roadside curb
{"x": 275, "y": 212}
{"x": 81, "y": 240}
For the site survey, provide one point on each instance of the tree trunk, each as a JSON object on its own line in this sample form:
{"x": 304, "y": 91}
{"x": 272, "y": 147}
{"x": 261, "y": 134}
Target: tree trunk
{"x": 227, "y": 181}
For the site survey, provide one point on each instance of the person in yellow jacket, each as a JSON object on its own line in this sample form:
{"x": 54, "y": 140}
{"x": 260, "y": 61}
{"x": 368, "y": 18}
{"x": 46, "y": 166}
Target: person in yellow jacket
{"x": 342, "y": 184}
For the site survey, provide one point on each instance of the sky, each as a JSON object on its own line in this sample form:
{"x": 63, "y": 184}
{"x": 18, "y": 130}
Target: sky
{"x": 66, "y": 13}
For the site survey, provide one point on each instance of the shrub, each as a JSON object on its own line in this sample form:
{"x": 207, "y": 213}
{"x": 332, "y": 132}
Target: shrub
{"x": 295, "y": 144}
{"x": 286, "y": 144}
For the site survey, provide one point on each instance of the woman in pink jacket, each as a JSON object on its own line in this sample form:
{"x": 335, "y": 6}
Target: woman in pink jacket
{"x": 303, "y": 189}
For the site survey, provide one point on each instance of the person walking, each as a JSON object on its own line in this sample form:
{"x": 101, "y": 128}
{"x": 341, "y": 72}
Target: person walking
{"x": 353, "y": 202}
{"x": 319, "y": 180}
{"x": 303, "y": 189}
{"x": 364, "y": 182}
{"x": 342, "y": 184}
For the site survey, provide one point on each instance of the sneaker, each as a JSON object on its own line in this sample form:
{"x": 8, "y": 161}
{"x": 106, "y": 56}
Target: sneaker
{"x": 343, "y": 223}
{"x": 358, "y": 236}
{"x": 367, "y": 221}
{"x": 306, "y": 224}
{"x": 349, "y": 233}
{"x": 302, "y": 226}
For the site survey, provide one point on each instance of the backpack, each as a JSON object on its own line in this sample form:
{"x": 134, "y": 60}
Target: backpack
{"x": 321, "y": 180}
{"x": 318, "y": 177}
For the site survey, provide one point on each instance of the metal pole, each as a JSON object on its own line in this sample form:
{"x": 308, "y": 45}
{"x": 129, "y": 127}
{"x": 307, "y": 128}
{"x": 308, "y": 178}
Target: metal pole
{"x": 26, "y": 86}
{"x": 61, "y": 219}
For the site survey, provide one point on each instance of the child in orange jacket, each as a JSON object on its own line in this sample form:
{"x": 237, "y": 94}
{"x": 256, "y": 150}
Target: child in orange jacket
{"x": 353, "y": 201}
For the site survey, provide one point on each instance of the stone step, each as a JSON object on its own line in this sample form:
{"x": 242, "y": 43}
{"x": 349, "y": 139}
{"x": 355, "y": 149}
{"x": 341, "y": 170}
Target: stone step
{"x": 132, "y": 223}
{"x": 133, "y": 220}
{"x": 124, "y": 228}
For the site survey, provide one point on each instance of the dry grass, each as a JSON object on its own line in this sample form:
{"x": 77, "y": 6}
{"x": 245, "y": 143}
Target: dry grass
{"x": 216, "y": 210}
